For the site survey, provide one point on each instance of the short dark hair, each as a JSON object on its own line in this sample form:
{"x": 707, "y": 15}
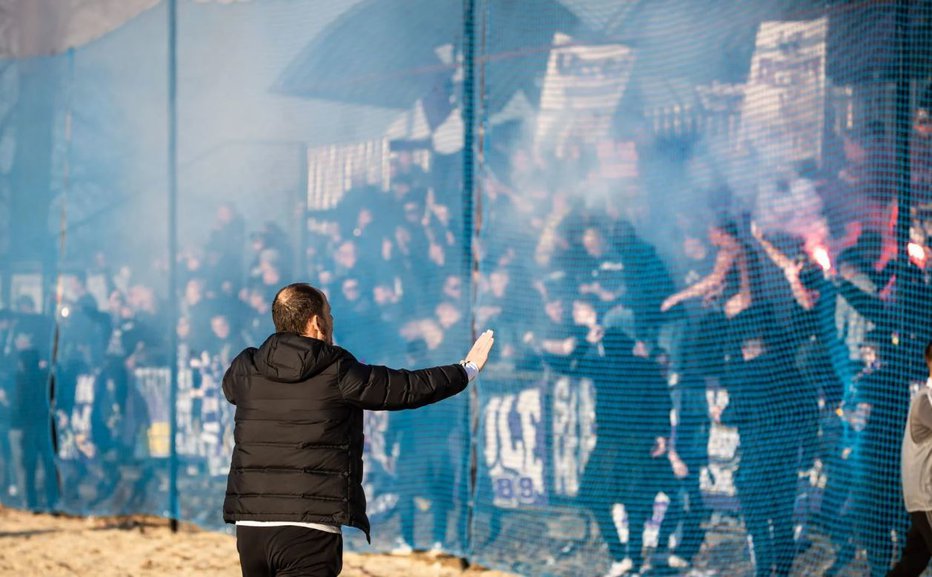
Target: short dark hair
{"x": 294, "y": 305}
{"x": 928, "y": 354}
{"x": 727, "y": 225}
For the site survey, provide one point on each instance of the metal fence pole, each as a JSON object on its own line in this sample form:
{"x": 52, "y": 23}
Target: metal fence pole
{"x": 469, "y": 132}
{"x": 903, "y": 131}
{"x": 469, "y": 194}
{"x": 903, "y": 128}
{"x": 172, "y": 258}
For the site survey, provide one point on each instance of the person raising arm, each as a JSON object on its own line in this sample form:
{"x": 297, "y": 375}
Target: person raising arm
{"x": 297, "y": 466}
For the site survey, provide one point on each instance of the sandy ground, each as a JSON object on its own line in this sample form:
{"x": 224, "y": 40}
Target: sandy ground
{"x": 33, "y": 545}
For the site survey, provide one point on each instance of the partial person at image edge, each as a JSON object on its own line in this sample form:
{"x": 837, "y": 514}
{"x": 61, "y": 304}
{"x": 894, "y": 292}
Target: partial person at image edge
{"x": 917, "y": 485}
{"x": 296, "y": 472}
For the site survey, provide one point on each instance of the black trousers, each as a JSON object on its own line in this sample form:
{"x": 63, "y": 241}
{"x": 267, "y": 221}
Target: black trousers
{"x": 37, "y": 451}
{"x": 767, "y": 507}
{"x": 918, "y": 549}
{"x": 288, "y": 552}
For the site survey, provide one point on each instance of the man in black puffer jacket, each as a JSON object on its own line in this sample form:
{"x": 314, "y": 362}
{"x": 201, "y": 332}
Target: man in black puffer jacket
{"x": 296, "y": 473}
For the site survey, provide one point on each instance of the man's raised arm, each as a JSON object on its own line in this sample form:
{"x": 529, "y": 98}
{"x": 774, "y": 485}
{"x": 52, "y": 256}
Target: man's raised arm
{"x": 378, "y": 388}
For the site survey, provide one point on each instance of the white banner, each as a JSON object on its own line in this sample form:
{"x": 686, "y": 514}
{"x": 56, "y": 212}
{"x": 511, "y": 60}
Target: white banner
{"x": 514, "y": 448}
{"x": 335, "y": 168}
{"x": 784, "y": 104}
{"x": 574, "y": 435}
{"x": 582, "y": 89}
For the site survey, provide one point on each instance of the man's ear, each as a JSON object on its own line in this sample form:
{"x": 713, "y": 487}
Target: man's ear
{"x": 312, "y": 329}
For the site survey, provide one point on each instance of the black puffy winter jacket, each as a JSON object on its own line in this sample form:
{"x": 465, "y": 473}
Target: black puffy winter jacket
{"x": 299, "y": 429}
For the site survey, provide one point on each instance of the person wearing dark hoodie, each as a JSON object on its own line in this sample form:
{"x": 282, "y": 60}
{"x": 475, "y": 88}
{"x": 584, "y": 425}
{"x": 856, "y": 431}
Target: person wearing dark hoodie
{"x": 775, "y": 412}
{"x": 296, "y": 472}
{"x": 632, "y": 460}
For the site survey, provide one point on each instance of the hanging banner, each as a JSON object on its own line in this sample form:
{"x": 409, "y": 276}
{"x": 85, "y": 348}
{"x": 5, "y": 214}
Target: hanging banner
{"x": 335, "y": 168}
{"x": 582, "y": 89}
{"x": 153, "y": 385}
{"x": 574, "y": 435}
{"x": 514, "y": 448}
{"x": 204, "y": 418}
{"x": 784, "y": 105}
{"x": 73, "y": 421}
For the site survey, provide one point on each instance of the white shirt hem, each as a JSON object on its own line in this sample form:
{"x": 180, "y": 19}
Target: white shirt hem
{"x": 316, "y": 526}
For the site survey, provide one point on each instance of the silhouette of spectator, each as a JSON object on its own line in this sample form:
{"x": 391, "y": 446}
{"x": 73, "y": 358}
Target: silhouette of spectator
{"x": 636, "y": 434}
{"x": 776, "y": 418}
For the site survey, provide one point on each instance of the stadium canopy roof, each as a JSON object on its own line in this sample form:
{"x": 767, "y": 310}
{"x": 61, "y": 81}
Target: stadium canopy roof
{"x": 31, "y": 28}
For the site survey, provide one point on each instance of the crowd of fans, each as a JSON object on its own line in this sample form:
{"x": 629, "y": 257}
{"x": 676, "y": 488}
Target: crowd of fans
{"x": 109, "y": 323}
{"x": 794, "y": 302}
{"x": 791, "y": 299}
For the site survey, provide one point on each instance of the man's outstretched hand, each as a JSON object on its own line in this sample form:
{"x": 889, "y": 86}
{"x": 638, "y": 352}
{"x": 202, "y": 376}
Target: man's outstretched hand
{"x": 479, "y": 353}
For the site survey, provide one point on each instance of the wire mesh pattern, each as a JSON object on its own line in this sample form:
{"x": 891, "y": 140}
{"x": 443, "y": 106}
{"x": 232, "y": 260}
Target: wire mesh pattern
{"x": 700, "y": 231}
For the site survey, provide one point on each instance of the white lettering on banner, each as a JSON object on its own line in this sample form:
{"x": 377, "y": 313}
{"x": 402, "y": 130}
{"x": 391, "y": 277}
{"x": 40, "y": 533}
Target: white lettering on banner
{"x": 66, "y": 448}
{"x": 81, "y": 419}
{"x": 83, "y": 405}
{"x": 84, "y": 389}
{"x": 513, "y": 448}
{"x": 204, "y": 431}
{"x": 185, "y": 439}
{"x": 216, "y": 426}
{"x": 581, "y": 91}
{"x": 492, "y": 408}
{"x": 73, "y": 424}
{"x": 204, "y": 418}
{"x": 784, "y": 104}
{"x": 574, "y": 435}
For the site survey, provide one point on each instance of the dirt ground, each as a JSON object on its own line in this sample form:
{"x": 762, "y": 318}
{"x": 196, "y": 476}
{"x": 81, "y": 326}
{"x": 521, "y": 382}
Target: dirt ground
{"x": 34, "y": 545}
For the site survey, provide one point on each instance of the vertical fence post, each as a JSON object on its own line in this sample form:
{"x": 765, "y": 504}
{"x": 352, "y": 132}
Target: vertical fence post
{"x": 172, "y": 258}
{"x": 469, "y": 132}
{"x": 469, "y": 170}
{"x": 903, "y": 129}
{"x": 52, "y": 383}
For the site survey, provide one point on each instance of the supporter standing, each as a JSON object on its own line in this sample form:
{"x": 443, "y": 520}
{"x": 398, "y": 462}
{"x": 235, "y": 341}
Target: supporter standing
{"x": 916, "y": 466}
{"x": 296, "y": 471}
